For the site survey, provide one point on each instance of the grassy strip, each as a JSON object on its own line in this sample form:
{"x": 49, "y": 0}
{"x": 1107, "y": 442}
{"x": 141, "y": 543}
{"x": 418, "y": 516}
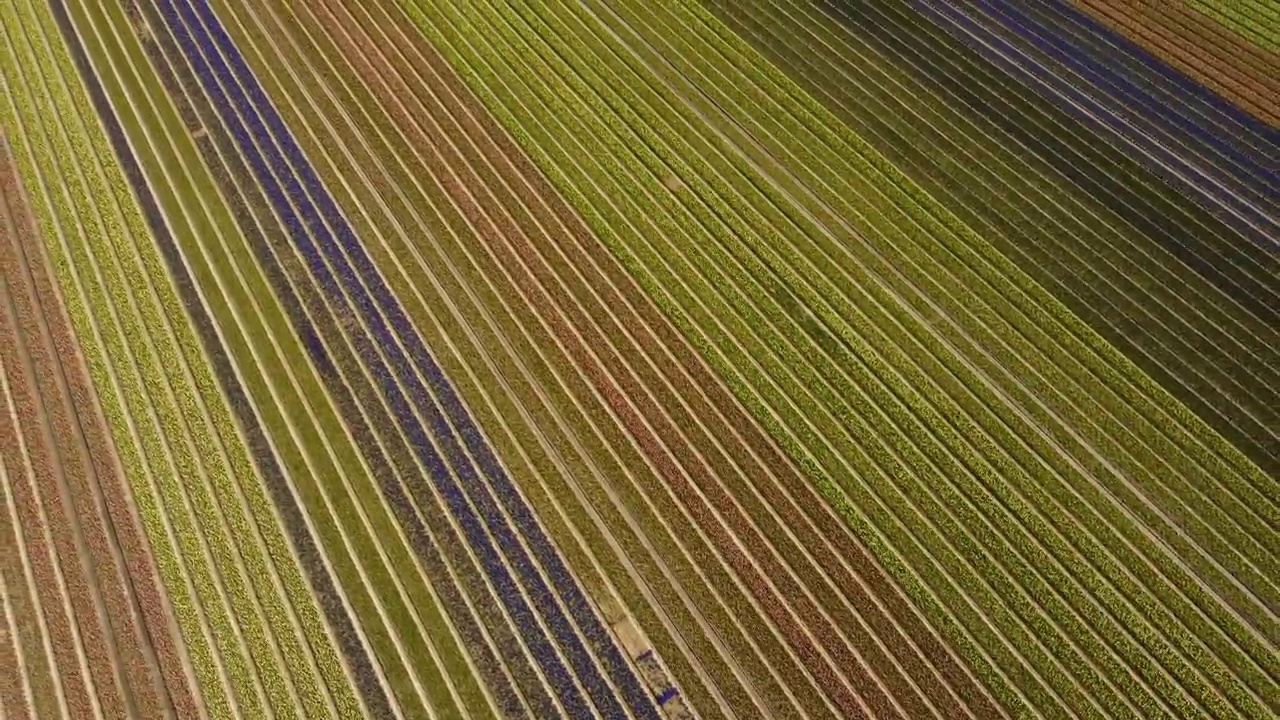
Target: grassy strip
{"x": 1256, "y": 21}
{"x": 719, "y": 82}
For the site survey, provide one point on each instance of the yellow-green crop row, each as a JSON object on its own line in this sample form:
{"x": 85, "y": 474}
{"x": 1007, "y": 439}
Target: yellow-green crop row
{"x": 1189, "y": 333}
{"x": 121, "y": 276}
{"x": 644, "y": 200}
{"x": 1257, "y": 20}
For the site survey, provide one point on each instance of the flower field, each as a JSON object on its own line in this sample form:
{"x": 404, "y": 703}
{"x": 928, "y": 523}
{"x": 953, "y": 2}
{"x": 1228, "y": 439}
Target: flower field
{"x": 607, "y": 358}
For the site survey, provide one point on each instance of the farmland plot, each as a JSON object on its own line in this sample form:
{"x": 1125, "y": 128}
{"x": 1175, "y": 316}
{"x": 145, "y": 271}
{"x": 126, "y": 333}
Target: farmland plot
{"x": 598, "y": 358}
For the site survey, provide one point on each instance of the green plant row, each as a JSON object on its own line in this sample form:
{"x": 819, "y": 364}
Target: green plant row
{"x": 420, "y": 293}
{"x": 520, "y": 52}
{"x": 1100, "y": 264}
{"x": 365, "y": 548}
{"x": 1136, "y": 535}
{"x": 1257, "y": 20}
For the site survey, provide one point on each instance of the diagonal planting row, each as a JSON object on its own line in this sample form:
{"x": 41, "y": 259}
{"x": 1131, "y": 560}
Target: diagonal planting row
{"x": 253, "y": 636}
{"x": 533, "y": 584}
{"x": 56, "y": 437}
{"x": 1222, "y": 61}
{"x": 379, "y": 79}
{"x": 1109, "y": 246}
{"x": 1254, "y": 20}
{"x": 979, "y": 467}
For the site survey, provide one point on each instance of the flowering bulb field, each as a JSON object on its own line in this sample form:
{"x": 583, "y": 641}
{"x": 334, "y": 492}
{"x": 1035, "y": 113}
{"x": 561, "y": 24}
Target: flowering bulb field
{"x": 769, "y": 359}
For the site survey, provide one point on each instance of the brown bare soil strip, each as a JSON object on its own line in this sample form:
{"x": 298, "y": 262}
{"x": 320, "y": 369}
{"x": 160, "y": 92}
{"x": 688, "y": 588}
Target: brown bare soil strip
{"x": 122, "y": 615}
{"x": 19, "y": 634}
{"x": 24, "y": 474}
{"x": 659, "y": 422}
{"x": 1239, "y": 71}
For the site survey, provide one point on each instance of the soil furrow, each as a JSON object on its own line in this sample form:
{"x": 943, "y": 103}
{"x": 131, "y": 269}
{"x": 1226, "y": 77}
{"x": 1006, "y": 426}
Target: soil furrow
{"x": 26, "y": 692}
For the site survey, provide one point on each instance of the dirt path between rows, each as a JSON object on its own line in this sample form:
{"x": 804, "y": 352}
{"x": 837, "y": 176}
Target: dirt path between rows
{"x": 109, "y": 624}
